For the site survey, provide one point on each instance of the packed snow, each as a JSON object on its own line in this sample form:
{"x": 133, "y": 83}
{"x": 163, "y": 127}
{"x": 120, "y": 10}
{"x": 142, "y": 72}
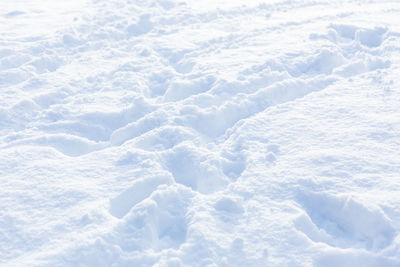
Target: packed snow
{"x": 200, "y": 133}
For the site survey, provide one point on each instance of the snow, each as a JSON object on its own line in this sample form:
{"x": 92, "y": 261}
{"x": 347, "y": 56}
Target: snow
{"x": 199, "y": 133}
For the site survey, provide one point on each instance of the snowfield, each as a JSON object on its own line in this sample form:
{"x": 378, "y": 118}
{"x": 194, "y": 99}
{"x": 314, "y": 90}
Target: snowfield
{"x": 200, "y": 133}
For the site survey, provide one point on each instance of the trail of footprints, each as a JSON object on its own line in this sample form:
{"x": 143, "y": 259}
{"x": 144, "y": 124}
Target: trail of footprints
{"x": 185, "y": 117}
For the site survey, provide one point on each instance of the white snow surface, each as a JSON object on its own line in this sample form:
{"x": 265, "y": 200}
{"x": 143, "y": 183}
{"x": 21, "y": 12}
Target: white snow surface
{"x": 199, "y": 133}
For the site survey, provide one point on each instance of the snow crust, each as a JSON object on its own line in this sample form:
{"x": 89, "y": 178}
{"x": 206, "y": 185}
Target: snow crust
{"x": 199, "y": 133}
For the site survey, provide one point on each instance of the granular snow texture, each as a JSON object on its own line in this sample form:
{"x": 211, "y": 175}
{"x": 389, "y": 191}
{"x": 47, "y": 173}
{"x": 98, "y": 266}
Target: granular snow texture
{"x": 200, "y": 133}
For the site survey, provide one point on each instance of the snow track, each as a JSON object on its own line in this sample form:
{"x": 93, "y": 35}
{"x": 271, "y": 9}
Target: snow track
{"x": 167, "y": 133}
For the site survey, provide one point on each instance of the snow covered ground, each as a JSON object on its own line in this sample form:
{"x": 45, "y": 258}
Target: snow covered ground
{"x": 199, "y": 133}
